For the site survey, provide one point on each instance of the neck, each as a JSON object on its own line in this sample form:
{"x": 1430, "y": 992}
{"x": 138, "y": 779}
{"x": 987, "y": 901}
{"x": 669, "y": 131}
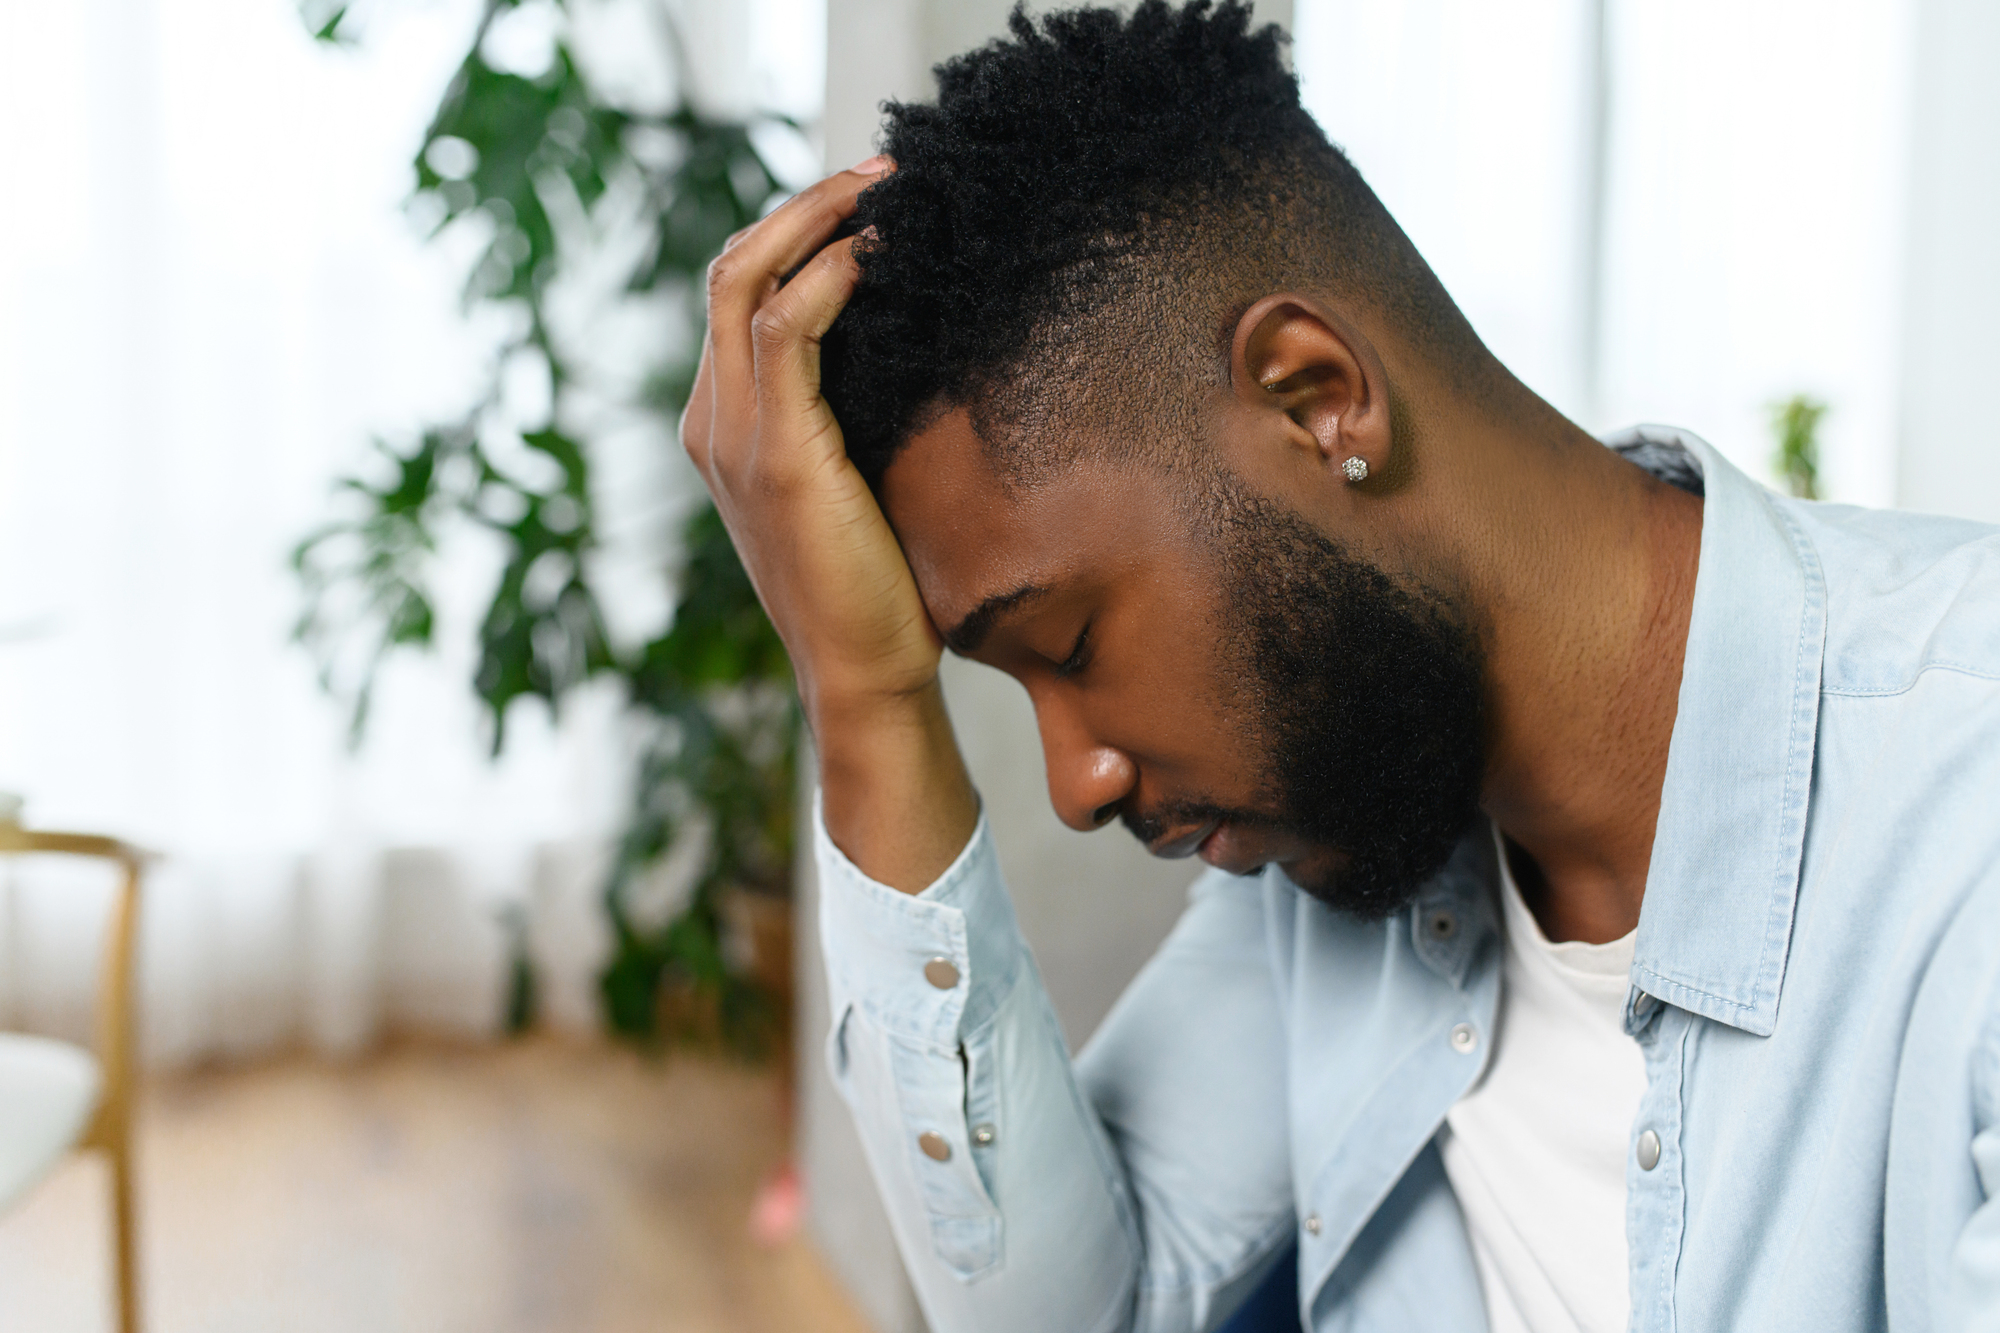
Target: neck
{"x": 1587, "y": 589}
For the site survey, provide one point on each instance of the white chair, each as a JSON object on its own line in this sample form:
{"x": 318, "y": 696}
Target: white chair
{"x": 55, "y": 1096}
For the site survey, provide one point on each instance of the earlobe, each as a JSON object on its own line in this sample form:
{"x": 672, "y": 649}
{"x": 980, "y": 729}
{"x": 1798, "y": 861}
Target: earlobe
{"x": 1293, "y": 352}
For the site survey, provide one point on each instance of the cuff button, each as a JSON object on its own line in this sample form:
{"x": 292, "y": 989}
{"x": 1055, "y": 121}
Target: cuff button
{"x": 941, "y": 972}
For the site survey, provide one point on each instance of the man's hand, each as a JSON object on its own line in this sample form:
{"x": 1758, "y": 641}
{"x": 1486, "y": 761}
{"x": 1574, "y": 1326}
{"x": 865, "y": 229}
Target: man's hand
{"x": 815, "y": 543}
{"x": 811, "y": 535}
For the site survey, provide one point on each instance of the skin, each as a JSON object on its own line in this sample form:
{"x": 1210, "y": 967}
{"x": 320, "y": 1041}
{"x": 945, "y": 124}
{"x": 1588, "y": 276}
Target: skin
{"x": 1577, "y": 567}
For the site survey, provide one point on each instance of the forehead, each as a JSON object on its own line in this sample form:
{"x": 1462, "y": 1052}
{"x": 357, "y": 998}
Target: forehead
{"x": 969, "y": 534}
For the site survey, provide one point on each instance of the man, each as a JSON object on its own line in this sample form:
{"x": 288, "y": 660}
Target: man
{"x": 1605, "y": 922}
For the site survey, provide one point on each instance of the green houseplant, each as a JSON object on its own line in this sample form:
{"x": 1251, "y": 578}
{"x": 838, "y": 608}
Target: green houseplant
{"x": 711, "y": 696}
{"x": 1796, "y": 424}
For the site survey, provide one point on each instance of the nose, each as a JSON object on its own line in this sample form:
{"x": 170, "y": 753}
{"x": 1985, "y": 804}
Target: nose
{"x": 1088, "y": 780}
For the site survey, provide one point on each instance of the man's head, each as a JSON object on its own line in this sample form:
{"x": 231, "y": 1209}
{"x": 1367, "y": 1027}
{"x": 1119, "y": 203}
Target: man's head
{"x": 1123, "y": 313}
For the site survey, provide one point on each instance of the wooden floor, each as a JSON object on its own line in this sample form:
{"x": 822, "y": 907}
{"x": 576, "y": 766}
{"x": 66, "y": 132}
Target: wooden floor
{"x": 534, "y": 1186}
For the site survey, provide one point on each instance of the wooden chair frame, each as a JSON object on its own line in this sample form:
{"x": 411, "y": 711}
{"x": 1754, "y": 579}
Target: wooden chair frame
{"x": 110, "y": 1129}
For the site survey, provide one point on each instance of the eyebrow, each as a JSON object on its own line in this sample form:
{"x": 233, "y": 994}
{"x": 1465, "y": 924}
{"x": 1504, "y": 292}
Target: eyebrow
{"x": 965, "y": 637}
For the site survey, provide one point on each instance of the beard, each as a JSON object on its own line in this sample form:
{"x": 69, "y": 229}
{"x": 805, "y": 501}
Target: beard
{"x": 1364, "y": 699}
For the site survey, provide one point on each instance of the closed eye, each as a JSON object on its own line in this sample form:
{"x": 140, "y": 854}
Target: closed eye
{"x": 1077, "y": 659}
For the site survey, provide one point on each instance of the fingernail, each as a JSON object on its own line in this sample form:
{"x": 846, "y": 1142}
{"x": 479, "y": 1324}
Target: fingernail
{"x": 874, "y": 165}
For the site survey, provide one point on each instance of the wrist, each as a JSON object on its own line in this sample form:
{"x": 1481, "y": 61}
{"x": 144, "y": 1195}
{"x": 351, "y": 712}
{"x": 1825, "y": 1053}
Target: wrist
{"x": 837, "y": 713}
{"x": 894, "y": 791}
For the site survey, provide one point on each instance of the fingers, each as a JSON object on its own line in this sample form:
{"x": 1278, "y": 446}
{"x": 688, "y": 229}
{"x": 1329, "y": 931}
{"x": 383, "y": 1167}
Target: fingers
{"x": 760, "y": 355}
{"x": 786, "y": 330}
{"x": 698, "y": 417}
{"x": 749, "y": 270}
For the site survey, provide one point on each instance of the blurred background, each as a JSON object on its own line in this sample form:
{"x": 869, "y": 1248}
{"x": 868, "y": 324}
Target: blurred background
{"x": 349, "y": 566}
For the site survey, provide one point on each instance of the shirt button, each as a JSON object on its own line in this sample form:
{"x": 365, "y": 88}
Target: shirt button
{"x": 1464, "y": 1038}
{"x": 1643, "y": 1005}
{"x": 983, "y": 1136}
{"x": 934, "y": 1147}
{"x": 1312, "y": 1224}
{"x": 1648, "y": 1150}
{"x": 941, "y": 973}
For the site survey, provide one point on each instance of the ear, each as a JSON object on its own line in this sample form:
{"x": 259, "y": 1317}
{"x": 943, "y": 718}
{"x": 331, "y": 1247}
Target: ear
{"x": 1293, "y": 354}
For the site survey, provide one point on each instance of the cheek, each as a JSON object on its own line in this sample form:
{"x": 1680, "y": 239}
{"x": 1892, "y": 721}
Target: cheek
{"x": 1182, "y": 715}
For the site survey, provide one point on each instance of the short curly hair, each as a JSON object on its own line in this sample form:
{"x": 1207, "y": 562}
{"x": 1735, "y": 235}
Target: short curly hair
{"x": 1080, "y": 219}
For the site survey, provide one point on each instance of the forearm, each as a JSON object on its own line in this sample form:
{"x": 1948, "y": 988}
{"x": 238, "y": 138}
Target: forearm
{"x": 1007, "y": 1200}
{"x": 895, "y": 794}
{"x": 1146, "y": 1191}
{"x": 813, "y": 540}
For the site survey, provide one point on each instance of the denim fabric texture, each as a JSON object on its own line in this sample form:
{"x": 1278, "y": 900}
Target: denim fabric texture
{"x": 1816, "y": 989}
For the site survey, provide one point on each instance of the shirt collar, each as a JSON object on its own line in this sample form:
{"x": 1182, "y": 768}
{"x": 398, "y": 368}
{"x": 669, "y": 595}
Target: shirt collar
{"x": 1716, "y": 923}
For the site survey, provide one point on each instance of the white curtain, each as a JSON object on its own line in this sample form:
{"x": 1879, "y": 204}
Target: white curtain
{"x": 210, "y": 299}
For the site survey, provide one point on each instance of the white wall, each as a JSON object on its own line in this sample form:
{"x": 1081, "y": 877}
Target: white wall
{"x": 1741, "y": 242}
{"x": 1950, "y": 460}
{"x": 1754, "y": 225}
{"x": 1470, "y": 120}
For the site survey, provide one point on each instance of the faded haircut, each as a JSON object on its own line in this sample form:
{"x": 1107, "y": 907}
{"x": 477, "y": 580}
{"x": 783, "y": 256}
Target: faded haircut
{"x": 1075, "y": 225}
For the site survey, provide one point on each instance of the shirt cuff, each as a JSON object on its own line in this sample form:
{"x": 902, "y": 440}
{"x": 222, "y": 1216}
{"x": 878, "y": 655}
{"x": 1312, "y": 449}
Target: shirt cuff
{"x": 881, "y": 944}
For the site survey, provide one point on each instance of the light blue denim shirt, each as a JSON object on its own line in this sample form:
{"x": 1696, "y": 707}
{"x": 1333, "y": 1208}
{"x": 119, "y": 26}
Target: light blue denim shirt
{"x": 1816, "y": 990}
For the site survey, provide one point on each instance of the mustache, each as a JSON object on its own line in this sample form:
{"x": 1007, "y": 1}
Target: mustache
{"x": 1152, "y": 826}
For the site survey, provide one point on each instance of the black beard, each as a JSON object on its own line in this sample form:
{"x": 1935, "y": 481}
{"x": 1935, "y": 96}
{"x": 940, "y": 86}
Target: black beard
{"x": 1364, "y": 697}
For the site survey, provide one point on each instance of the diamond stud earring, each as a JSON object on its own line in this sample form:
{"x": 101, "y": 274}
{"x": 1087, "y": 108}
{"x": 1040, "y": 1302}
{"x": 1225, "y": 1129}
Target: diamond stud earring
{"x": 1355, "y": 468}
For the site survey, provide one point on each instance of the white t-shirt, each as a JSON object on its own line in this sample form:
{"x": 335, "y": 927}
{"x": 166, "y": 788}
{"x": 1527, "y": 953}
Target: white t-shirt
{"x": 1536, "y": 1149}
